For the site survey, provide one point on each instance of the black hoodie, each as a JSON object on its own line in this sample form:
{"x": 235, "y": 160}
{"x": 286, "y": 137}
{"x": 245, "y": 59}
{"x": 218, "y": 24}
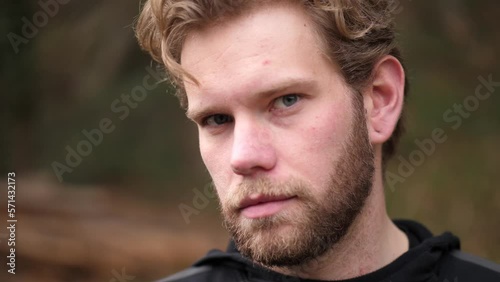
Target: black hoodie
{"x": 430, "y": 259}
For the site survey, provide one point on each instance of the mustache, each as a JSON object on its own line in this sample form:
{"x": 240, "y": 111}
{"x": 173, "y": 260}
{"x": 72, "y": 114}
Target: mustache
{"x": 266, "y": 188}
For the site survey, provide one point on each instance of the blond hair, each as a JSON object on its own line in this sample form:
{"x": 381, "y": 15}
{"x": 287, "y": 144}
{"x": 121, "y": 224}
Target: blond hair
{"x": 356, "y": 35}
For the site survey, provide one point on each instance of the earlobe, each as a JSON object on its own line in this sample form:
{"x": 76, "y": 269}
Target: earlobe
{"x": 384, "y": 99}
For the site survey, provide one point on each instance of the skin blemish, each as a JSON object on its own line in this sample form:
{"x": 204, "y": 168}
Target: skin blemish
{"x": 266, "y": 62}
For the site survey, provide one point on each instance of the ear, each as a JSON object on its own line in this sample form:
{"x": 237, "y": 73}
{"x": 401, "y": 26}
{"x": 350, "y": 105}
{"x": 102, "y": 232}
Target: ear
{"x": 383, "y": 99}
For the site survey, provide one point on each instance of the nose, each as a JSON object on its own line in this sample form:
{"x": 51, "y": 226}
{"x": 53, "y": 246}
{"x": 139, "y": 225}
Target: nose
{"x": 252, "y": 149}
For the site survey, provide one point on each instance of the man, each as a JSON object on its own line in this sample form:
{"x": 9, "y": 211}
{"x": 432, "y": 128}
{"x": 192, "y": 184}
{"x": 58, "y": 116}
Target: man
{"x": 298, "y": 107}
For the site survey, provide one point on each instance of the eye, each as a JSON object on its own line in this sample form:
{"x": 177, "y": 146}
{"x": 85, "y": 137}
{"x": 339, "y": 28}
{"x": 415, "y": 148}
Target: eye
{"x": 217, "y": 119}
{"x": 286, "y": 101}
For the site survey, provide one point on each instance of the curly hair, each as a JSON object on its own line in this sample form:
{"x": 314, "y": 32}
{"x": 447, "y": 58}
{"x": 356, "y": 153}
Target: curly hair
{"x": 356, "y": 34}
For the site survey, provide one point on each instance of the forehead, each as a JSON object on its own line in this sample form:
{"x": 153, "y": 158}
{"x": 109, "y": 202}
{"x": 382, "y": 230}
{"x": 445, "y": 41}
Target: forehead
{"x": 262, "y": 47}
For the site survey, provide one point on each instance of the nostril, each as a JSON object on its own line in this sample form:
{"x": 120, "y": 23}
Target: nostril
{"x": 241, "y": 166}
{"x": 237, "y": 170}
{"x": 251, "y": 162}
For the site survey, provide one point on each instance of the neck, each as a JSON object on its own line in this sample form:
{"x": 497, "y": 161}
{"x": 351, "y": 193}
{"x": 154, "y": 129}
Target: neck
{"x": 372, "y": 242}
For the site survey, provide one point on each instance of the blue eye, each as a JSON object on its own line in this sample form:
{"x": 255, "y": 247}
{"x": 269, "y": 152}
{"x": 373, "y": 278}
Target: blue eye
{"x": 286, "y": 101}
{"x": 217, "y": 119}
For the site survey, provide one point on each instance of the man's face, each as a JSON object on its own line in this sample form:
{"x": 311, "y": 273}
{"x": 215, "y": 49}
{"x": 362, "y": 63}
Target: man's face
{"x": 280, "y": 134}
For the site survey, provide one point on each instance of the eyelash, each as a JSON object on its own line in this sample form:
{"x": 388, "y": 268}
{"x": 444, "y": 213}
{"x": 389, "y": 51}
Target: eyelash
{"x": 294, "y": 95}
{"x": 204, "y": 121}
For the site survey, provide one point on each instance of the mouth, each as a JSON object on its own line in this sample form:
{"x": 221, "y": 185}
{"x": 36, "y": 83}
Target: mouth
{"x": 259, "y": 205}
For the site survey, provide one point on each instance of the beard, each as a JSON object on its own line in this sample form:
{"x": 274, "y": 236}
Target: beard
{"x": 295, "y": 236}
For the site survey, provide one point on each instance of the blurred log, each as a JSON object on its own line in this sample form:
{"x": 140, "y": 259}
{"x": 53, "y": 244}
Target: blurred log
{"x": 84, "y": 233}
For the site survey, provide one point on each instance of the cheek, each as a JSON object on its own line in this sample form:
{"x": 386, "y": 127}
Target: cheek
{"x": 327, "y": 131}
{"x": 214, "y": 158}
{"x": 319, "y": 145}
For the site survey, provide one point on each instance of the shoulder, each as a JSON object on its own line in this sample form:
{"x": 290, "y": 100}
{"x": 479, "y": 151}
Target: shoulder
{"x": 205, "y": 273}
{"x": 462, "y": 267}
{"x": 191, "y": 274}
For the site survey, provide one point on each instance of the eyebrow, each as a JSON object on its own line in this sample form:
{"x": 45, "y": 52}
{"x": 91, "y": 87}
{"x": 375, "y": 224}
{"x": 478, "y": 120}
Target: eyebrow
{"x": 197, "y": 114}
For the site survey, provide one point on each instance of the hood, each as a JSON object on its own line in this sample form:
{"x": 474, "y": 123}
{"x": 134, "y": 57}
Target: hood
{"x": 419, "y": 263}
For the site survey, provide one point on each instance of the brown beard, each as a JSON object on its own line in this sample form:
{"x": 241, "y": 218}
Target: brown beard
{"x": 296, "y": 236}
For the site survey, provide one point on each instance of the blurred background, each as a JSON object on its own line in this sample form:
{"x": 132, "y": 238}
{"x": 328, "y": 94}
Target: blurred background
{"x": 110, "y": 189}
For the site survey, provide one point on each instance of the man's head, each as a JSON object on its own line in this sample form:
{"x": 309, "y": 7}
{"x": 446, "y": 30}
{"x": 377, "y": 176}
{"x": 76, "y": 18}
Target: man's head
{"x": 355, "y": 35}
{"x": 294, "y": 101}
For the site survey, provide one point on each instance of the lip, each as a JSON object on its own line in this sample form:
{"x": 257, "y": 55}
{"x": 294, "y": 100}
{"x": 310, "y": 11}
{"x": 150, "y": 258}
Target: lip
{"x": 259, "y": 205}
